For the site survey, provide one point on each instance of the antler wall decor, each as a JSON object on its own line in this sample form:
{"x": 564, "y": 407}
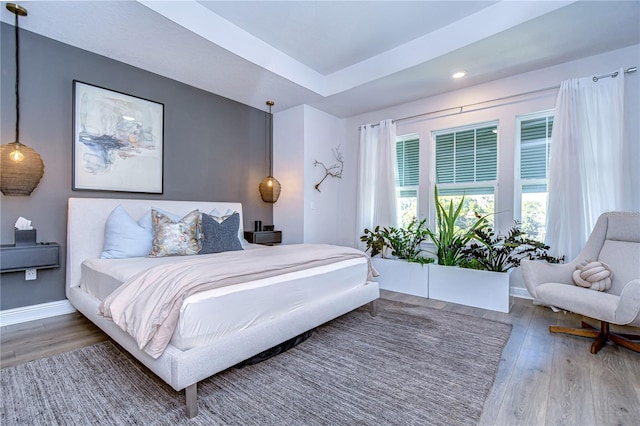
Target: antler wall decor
{"x": 335, "y": 170}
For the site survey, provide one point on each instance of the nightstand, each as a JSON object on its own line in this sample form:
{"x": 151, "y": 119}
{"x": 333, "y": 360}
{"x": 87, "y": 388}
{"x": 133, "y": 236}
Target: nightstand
{"x": 267, "y": 238}
{"x": 23, "y": 257}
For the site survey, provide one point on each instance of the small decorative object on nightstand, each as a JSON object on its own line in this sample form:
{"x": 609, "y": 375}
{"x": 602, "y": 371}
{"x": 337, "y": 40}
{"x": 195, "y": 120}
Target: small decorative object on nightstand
{"x": 268, "y": 238}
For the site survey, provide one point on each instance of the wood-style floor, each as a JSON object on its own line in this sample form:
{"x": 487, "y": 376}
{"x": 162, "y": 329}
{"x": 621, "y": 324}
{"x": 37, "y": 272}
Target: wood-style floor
{"x": 543, "y": 379}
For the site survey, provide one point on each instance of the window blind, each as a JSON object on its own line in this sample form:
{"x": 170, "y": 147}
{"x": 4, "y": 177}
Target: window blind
{"x": 535, "y": 143}
{"x": 467, "y": 156}
{"x": 408, "y": 193}
{"x": 474, "y": 190}
{"x": 408, "y": 155}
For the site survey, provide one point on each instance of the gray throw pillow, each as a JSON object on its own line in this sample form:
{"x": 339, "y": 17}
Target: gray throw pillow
{"x": 220, "y": 236}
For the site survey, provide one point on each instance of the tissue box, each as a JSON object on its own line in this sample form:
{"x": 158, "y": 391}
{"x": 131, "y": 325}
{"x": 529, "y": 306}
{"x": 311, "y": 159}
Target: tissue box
{"x": 25, "y": 238}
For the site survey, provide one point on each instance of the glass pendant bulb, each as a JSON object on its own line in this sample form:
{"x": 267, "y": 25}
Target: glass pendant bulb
{"x": 16, "y": 155}
{"x": 269, "y": 189}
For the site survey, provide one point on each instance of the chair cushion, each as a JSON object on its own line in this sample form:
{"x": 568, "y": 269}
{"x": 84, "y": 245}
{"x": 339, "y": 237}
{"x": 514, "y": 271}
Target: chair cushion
{"x": 594, "y": 304}
{"x": 622, "y": 257}
{"x": 623, "y": 226}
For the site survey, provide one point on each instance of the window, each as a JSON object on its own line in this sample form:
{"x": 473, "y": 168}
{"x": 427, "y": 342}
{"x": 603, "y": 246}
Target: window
{"x": 466, "y": 165}
{"x": 407, "y": 154}
{"x": 534, "y": 140}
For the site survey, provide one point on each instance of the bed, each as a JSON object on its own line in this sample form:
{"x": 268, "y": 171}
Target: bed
{"x": 219, "y": 327}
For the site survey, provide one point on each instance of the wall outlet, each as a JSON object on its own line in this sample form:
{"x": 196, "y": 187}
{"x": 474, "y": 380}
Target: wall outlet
{"x": 30, "y": 274}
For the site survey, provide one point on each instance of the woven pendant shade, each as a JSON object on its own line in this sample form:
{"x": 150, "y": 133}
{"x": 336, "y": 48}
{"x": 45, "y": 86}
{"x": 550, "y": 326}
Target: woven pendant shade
{"x": 21, "y": 168}
{"x": 19, "y": 177}
{"x": 269, "y": 189}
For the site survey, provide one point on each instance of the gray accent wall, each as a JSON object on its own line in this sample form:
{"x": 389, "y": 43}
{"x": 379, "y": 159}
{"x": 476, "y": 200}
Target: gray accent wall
{"x": 214, "y": 148}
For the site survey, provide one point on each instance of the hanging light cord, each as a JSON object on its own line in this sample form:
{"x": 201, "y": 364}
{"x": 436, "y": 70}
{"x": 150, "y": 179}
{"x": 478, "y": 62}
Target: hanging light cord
{"x": 266, "y": 145}
{"x": 270, "y": 134}
{"x": 268, "y": 125}
{"x": 17, "y": 81}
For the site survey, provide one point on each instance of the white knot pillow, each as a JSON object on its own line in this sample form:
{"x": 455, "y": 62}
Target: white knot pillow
{"x": 594, "y": 275}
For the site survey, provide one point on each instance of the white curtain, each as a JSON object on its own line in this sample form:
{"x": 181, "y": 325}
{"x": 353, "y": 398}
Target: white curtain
{"x": 587, "y": 165}
{"x": 376, "y": 191}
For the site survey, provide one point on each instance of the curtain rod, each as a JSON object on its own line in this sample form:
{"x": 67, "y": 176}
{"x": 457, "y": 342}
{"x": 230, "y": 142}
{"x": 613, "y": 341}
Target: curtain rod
{"x": 614, "y": 74}
{"x": 462, "y": 107}
{"x": 531, "y": 92}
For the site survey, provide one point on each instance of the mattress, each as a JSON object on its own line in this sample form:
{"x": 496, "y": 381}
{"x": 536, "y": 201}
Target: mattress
{"x": 210, "y": 315}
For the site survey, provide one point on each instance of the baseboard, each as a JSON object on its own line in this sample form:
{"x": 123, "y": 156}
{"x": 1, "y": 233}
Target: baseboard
{"x": 35, "y": 312}
{"x": 520, "y": 293}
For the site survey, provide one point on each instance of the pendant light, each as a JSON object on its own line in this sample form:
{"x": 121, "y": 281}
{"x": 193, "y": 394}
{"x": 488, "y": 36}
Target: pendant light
{"x": 269, "y": 187}
{"x": 21, "y": 168}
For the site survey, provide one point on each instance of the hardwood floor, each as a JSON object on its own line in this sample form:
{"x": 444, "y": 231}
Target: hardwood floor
{"x": 543, "y": 379}
{"x": 27, "y": 341}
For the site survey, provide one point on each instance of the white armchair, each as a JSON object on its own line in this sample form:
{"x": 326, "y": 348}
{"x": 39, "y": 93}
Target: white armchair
{"x": 615, "y": 240}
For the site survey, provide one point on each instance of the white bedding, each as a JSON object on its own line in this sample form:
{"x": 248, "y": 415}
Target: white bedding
{"x": 147, "y": 306}
{"x": 213, "y": 314}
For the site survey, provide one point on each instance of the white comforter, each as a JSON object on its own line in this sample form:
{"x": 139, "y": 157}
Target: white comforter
{"x": 147, "y": 306}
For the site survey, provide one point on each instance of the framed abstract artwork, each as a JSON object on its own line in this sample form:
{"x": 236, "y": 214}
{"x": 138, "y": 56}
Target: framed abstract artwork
{"x": 117, "y": 141}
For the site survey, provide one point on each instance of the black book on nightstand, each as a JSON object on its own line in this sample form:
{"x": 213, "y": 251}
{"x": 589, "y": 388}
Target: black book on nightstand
{"x": 263, "y": 237}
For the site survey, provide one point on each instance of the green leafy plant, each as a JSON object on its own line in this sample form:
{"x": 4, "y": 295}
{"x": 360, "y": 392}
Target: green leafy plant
{"x": 403, "y": 243}
{"x": 498, "y": 253}
{"x": 374, "y": 240}
{"x": 449, "y": 239}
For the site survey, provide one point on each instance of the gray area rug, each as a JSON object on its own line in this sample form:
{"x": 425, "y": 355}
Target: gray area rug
{"x": 408, "y": 365}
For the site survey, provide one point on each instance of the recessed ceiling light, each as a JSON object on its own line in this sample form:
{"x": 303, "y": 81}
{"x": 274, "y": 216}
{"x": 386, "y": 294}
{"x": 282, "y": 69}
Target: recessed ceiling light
{"x": 126, "y": 117}
{"x": 458, "y": 74}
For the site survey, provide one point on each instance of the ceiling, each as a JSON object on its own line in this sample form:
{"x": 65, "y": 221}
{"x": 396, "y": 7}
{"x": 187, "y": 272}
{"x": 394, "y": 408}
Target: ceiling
{"x": 342, "y": 57}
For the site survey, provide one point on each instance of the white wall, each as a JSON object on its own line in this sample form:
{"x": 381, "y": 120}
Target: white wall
{"x": 288, "y": 168}
{"x": 303, "y": 135}
{"x": 322, "y": 210}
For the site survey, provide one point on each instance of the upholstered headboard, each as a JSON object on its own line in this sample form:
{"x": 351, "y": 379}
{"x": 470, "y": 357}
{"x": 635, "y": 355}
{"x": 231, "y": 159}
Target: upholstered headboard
{"x": 86, "y": 220}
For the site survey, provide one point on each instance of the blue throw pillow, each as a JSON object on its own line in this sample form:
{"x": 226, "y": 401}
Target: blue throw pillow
{"x": 124, "y": 237}
{"x": 219, "y": 236}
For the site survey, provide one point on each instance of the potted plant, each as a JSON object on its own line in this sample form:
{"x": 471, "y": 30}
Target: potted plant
{"x": 502, "y": 253}
{"x": 449, "y": 239}
{"x": 484, "y": 259}
{"x": 397, "y": 256}
{"x": 451, "y": 283}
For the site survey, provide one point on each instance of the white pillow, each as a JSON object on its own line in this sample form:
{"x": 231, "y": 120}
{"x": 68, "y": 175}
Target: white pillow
{"x": 124, "y": 237}
{"x": 145, "y": 221}
{"x": 216, "y": 213}
{"x": 593, "y": 275}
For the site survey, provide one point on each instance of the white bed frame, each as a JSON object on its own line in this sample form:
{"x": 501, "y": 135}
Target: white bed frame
{"x": 184, "y": 369}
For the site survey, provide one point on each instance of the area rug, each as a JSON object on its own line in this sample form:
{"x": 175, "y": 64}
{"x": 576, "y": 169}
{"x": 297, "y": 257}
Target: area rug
{"x": 408, "y": 365}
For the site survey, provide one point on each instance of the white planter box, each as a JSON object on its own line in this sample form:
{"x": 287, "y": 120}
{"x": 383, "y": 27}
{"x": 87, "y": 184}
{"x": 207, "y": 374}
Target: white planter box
{"x": 402, "y": 276}
{"x": 482, "y": 289}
